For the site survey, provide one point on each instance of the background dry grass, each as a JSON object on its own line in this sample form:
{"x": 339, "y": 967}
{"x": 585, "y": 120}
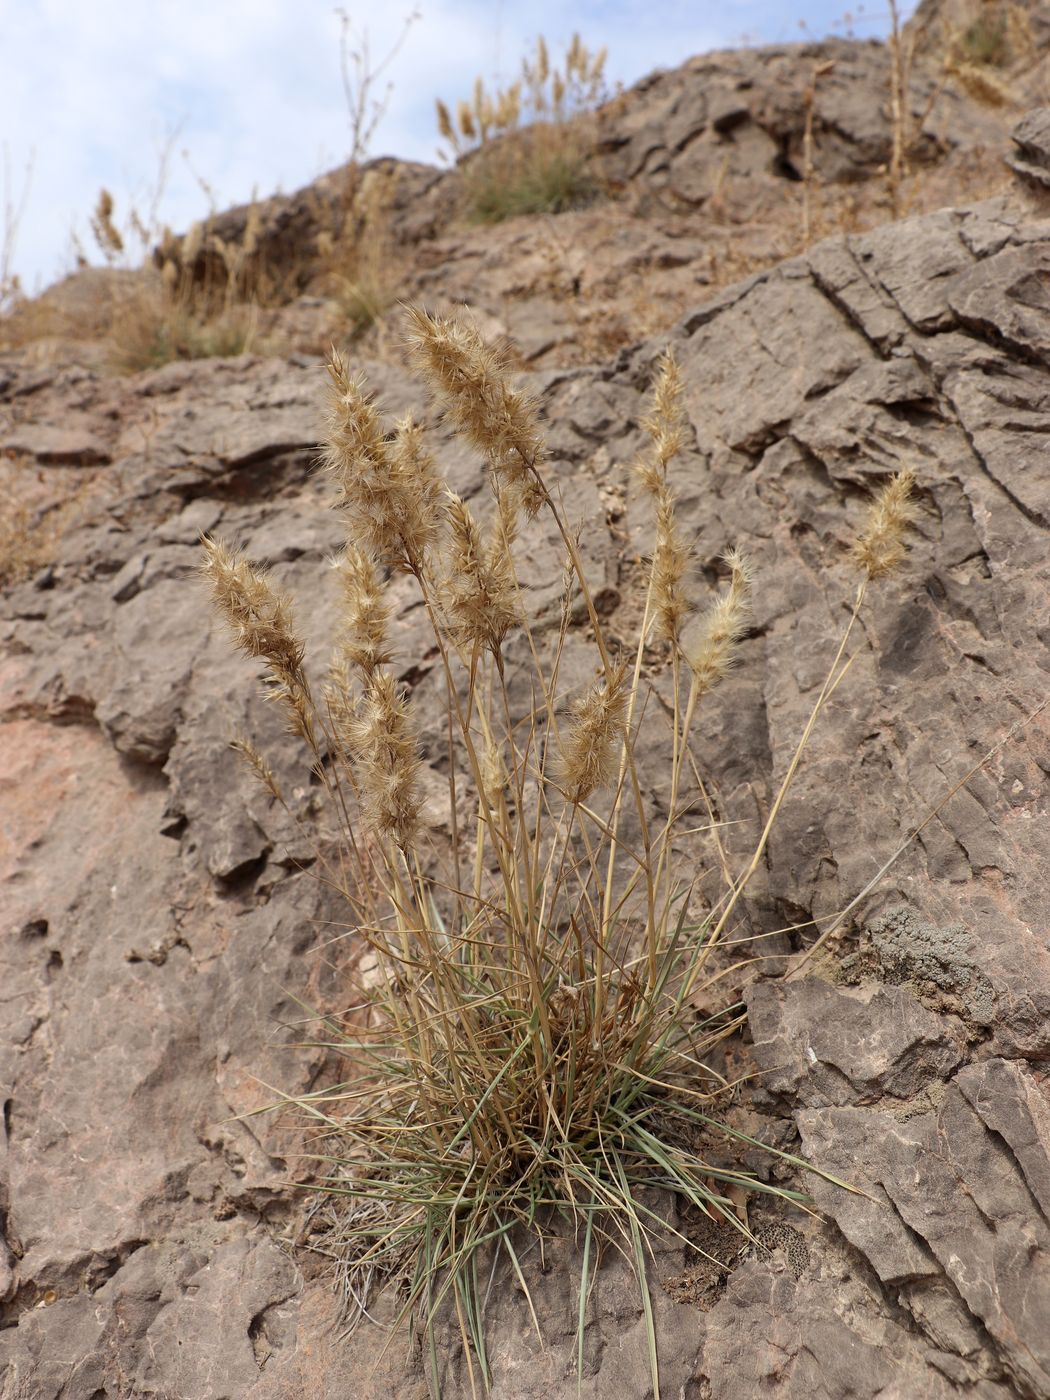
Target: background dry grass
{"x": 33, "y": 518}
{"x": 526, "y": 148}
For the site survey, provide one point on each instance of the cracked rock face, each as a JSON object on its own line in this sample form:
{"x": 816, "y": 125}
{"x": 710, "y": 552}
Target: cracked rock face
{"x": 158, "y": 926}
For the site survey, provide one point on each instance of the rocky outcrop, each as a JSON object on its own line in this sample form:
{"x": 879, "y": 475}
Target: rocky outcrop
{"x": 735, "y": 123}
{"x": 162, "y": 926}
{"x": 286, "y": 240}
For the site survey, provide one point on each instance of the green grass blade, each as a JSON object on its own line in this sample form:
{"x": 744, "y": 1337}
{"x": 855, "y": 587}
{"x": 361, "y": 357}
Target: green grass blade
{"x": 585, "y": 1288}
{"x": 639, "y": 1264}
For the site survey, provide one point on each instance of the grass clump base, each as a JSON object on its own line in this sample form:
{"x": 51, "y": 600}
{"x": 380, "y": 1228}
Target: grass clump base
{"x": 536, "y": 1013}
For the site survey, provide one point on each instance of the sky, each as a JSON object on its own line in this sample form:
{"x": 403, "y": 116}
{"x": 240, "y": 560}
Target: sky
{"x": 246, "y": 98}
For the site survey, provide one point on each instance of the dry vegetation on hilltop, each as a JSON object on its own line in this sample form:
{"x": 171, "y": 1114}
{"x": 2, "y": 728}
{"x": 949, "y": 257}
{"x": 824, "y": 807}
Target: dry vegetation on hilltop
{"x": 329, "y": 264}
{"x": 527, "y": 149}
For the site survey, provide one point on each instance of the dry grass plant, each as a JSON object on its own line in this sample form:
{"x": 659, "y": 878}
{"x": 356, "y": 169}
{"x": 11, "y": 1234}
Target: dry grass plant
{"x": 902, "y": 52}
{"x": 979, "y": 57}
{"x": 33, "y": 517}
{"x": 525, "y": 1037}
{"x": 1000, "y": 36}
{"x": 149, "y": 304}
{"x": 27, "y": 541}
{"x": 179, "y": 312}
{"x": 356, "y": 251}
{"x": 359, "y": 75}
{"x": 963, "y": 64}
{"x": 524, "y": 149}
{"x": 358, "y": 254}
{"x": 166, "y": 307}
{"x": 809, "y": 174}
{"x": 14, "y": 207}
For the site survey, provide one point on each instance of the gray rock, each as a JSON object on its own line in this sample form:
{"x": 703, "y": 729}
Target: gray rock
{"x": 826, "y": 1045}
{"x": 1031, "y": 136}
{"x": 948, "y": 1194}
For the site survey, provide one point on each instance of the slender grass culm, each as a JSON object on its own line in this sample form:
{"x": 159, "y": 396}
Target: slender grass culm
{"x": 525, "y": 1040}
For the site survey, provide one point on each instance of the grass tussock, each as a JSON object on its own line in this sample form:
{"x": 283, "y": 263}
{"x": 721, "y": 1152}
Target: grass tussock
{"x": 201, "y": 298}
{"x": 359, "y": 259}
{"x": 980, "y": 59}
{"x": 1000, "y": 37}
{"x": 524, "y": 149}
{"x": 535, "y": 1027}
{"x": 27, "y": 542}
{"x": 159, "y": 297}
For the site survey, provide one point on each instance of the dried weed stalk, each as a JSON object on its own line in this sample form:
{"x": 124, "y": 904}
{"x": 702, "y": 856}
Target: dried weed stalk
{"x": 357, "y": 253}
{"x": 526, "y": 1039}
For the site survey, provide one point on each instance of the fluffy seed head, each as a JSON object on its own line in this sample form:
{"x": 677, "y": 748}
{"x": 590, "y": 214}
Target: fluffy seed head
{"x": 590, "y": 748}
{"x": 420, "y": 489}
{"x": 107, "y": 235}
{"x": 445, "y": 127}
{"x": 365, "y": 614}
{"x": 258, "y": 613}
{"x": 466, "y": 121}
{"x": 712, "y": 653}
{"x": 576, "y": 58}
{"x": 663, "y": 422}
{"x": 472, "y": 379}
{"x": 508, "y": 108}
{"x": 665, "y": 419}
{"x": 262, "y": 770}
{"x": 879, "y": 547}
{"x": 543, "y": 65}
{"x": 385, "y": 753}
{"x": 481, "y": 596}
{"x": 389, "y": 491}
{"x": 670, "y": 566}
{"x": 192, "y": 244}
{"x": 260, "y": 617}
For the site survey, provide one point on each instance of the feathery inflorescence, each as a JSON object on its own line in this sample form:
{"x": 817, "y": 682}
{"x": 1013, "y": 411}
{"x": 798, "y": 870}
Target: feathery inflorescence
{"x": 384, "y": 748}
{"x": 390, "y": 492}
{"x": 363, "y": 644}
{"x": 671, "y": 605}
{"x": 665, "y": 419}
{"x": 480, "y": 596}
{"x": 260, "y": 617}
{"x": 423, "y": 485}
{"x": 880, "y": 547}
{"x": 494, "y": 417}
{"x": 664, "y": 422}
{"x": 259, "y": 767}
{"x": 712, "y": 653}
{"x": 591, "y": 748}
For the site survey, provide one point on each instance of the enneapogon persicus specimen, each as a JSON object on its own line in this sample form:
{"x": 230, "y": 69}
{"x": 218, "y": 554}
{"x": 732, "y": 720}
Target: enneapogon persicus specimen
{"x": 525, "y": 1043}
